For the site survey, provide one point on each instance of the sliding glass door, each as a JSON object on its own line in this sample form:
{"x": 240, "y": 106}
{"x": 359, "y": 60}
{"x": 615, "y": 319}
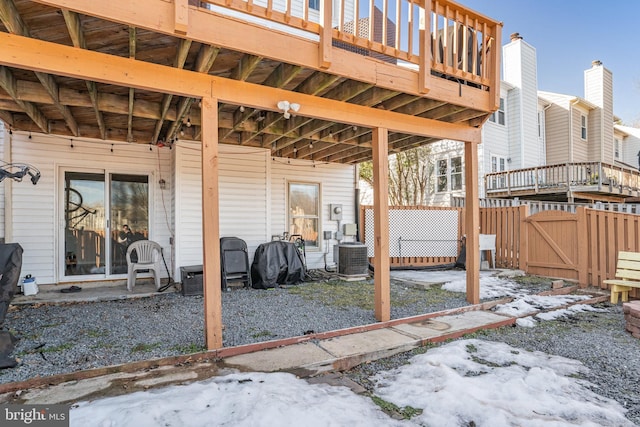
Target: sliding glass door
{"x": 103, "y": 214}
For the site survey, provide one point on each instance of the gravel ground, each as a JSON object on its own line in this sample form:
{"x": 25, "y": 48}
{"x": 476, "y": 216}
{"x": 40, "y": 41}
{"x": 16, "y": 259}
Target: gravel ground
{"x": 57, "y": 339}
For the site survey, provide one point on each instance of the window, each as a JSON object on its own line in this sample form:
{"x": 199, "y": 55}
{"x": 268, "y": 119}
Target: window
{"x": 498, "y": 164}
{"x": 304, "y": 212}
{"x": 314, "y": 4}
{"x": 456, "y": 173}
{"x": 449, "y": 171}
{"x": 498, "y": 116}
{"x": 442, "y": 176}
{"x": 616, "y": 148}
{"x": 583, "y": 127}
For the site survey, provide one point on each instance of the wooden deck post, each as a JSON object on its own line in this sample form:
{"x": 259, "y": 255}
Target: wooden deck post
{"x": 181, "y": 16}
{"x": 211, "y": 225}
{"x": 381, "y": 276}
{"x": 472, "y": 219}
{"x": 326, "y": 34}
{"x": 424, "y": 73}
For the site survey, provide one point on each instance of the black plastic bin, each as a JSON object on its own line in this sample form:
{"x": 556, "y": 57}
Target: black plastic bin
{"x": 191, "y": 278}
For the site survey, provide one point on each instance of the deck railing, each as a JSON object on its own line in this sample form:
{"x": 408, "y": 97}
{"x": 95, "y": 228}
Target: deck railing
{"x": 595, "y": 175}
{"x": 440, "y": 37}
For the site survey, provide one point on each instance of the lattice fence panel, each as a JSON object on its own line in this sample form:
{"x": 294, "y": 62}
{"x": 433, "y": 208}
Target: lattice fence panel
{"x": 417, "y": 233}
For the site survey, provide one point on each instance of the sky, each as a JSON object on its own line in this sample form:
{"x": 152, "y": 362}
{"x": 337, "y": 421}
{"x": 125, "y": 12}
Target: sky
{"x": 492, "y": 384}
{"x": 568, "y": 35}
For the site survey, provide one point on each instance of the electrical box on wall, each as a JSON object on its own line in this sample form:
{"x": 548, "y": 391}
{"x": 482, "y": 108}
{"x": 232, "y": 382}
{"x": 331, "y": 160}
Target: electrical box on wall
{"x": 335, "y": 212}
{"x": 350, "y": 229}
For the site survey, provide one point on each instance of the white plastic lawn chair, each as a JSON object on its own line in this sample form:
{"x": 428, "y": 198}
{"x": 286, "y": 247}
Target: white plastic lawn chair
{"x": 149, "y": 254}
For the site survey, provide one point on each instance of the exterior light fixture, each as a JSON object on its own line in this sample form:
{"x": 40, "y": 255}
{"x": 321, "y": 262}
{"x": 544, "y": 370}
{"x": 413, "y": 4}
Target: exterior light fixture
{"x": 288, "y": 108}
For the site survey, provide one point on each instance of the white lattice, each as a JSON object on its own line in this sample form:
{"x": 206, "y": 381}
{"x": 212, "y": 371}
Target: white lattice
{"x": 417, "y": 233}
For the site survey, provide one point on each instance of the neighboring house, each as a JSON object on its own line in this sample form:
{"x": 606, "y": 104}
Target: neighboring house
{"x": 546, "y": 146}
{"x": 512, "y": 137}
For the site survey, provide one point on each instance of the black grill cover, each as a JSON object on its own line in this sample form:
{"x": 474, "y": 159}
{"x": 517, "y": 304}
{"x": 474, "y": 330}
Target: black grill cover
{"x": 276, "y": 263}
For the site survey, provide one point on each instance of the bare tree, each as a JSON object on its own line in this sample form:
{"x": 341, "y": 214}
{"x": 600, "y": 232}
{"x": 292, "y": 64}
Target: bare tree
{"x": 409, "y": 176}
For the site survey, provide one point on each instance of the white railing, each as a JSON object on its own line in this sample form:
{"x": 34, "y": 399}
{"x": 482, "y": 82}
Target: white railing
{"x": 564, "y": 176}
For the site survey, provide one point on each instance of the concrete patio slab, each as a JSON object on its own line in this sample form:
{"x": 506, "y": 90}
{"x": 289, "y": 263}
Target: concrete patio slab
{"x": 444, "y": 325}
{"x": 376, "y": 342}
{"x": 279, "y": 359}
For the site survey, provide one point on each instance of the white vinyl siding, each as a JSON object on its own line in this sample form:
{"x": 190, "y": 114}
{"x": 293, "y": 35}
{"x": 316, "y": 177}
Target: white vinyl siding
{"x": 580, "y": 146}
{"x": 557, "y": 128}
{"x": 242, "y": 198}
{"x": 253, "y": 197}
{"x": 35, "y": 208}
{"x": 337, "y": 187}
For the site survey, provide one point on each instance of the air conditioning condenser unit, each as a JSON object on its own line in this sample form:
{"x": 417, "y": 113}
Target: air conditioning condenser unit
{"x": 352, "y": 260}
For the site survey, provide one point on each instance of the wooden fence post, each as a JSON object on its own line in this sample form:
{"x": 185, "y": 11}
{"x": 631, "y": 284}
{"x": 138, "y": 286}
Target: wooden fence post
{"x": 523, "y": 252}
{"x": 583, "y": 246}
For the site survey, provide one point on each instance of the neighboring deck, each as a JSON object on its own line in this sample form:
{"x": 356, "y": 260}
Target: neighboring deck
{"x": 448, "y": 73}
{"x": 587, "y": 181}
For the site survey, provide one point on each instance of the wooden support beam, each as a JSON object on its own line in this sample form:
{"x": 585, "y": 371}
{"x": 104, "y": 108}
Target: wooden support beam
{"x": 8, "y": 83}
{"x": 282, "y": 75}
{"x": 245, "y": 67}
{"x": 74, "y": 27}
{"x": 178, "y": 62}
{"x": 279, "y": 77}
{"x": 381, "y": 276}
{"x": 241, "y": 35}
{"x": 211, "y": 225}
{"x": 472, "y": 222}
{"x": 6, "y": 117}
{"x": 13, "y": 22}
{"x": 28, "y": 53}
{"x": 206, "y": 57}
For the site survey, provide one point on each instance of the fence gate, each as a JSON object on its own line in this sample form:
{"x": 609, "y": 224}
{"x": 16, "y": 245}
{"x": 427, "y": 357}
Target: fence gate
{"x": 552, "y": 241}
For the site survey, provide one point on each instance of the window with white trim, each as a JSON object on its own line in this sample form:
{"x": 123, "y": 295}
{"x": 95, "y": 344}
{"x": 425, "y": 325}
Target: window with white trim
{"x": 498, "y": 116}
{"x": 498, "y": 164}
{"x": 442, "y": 177}
{"x": 449, "y": 174}
{"x": 314, "y": 4}
{"x": 304, "y": 212}
{"x": 616, "y": 148}
{"x": 456, "y": 173}
{"x": 583, "y": 126}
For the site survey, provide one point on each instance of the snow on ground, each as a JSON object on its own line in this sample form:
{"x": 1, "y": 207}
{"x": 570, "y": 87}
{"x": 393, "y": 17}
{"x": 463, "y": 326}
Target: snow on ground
{"x": 491, "y": 384}
{"x": 492, "y": 286}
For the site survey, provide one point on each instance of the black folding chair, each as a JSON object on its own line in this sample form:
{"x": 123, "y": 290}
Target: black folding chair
{"x": 234, "y": 261}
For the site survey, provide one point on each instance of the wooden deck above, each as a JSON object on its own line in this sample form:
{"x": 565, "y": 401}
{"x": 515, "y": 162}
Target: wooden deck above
{"x": 587, "y": 181}
{"x": 348, "y": 76}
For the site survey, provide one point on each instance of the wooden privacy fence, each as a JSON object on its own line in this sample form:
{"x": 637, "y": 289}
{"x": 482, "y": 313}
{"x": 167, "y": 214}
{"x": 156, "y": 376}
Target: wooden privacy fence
{"x": 581, "y": 246}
